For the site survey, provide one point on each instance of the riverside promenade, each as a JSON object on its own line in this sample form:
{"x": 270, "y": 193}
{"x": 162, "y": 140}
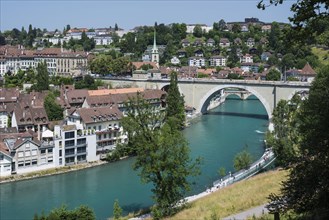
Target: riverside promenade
{"x": 266, "y": 159}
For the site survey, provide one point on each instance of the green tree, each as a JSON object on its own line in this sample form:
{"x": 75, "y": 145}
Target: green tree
{"x": 42, "y": 77}
{"x": 306, "y": 190}
{"x": 197, "y": 31}
{"x": 175, "y": 102}
{"x": 308, "y": 17}
{"x": 82, "y": 212}
{"x": 54, "y": 111}
{"x": 284, "y": 139}
{"x": 162, "y": 155}
{"x": 273, "y": 75}
{"x": 222, "y": 172}
{"x": 117, "y": 210}
{"x": 242, "y": 160}
{"x": 101, "y": 64}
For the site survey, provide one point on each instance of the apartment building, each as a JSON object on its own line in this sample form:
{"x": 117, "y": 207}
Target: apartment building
{"x": 74, "y": 145}
{"x": 217, "y": 61}
{"x": 58, "y": 61}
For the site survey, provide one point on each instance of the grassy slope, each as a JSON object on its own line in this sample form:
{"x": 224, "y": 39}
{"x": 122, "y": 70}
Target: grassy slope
{"x": 236, "y": 198}
{"x": 321, "y": 53}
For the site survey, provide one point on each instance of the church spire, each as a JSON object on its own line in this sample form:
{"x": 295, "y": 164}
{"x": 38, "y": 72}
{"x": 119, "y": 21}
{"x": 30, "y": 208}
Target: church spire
{"x": 154, "y": 41}
{"x": 155, "y": 51}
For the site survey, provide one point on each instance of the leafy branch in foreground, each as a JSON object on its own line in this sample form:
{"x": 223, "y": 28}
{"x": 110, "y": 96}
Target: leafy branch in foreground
{"x": 162, "y": 155}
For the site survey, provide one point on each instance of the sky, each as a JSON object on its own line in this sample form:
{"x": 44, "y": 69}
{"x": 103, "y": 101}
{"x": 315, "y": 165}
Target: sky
{"x": 56, "y": 14}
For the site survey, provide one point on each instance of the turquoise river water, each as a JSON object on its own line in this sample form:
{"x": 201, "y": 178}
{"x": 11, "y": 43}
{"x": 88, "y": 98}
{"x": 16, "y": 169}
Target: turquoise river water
{"x": 217, "y": 137}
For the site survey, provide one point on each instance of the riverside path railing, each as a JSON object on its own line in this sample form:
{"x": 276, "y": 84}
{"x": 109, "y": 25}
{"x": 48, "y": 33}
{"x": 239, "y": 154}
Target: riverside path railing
{"x": 267, "y": 159}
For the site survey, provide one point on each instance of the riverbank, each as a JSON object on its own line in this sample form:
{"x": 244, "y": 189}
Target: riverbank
{"x": 236, "y": 198}
{"x": 49, "y": 172}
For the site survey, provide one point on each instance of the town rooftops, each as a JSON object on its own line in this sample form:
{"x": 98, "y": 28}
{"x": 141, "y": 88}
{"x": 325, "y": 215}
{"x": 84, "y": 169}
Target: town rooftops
{"x": 138, "y": 65}
{"x": 90, "y": 115}
{"x": 114, "y": 91}
{"x": 307, "y": 70}
{"x": 8, "y": 95}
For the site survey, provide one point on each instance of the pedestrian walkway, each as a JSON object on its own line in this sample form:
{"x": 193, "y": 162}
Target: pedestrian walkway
{"x": 254, "y": 212}
{"x": 267, "y": 159}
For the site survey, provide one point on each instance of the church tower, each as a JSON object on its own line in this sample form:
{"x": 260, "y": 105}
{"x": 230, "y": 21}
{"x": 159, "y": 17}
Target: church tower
{"x": 155, "y": 52}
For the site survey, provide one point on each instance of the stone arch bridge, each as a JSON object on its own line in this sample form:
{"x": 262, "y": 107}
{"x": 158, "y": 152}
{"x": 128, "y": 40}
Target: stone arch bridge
{"x": 198, "y": 92}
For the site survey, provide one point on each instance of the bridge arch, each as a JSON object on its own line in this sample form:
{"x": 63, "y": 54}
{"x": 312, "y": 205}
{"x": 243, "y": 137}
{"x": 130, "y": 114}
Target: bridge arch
{"x": 165, "y": 87}
{"x": 206, "y": 97}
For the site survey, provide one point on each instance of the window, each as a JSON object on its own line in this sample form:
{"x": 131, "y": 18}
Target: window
{"x": 69, "y": 134}
{"x": 60, "y": 144}
{"x": 69, "y": 160}
{"x": 60, "y": 161}
{"x": 20, "y": 154}
{"x": 1, "y": 157}
{"x": 81, "y": 141}
{"x": 43, "y": 151}
{"x": 100, "y": 127}
{"x": 60, "y": 153}
{"x": 81, "y": 150}
{"x": 50, "y": 159}
{"x": 34, "y": 162}
{"x": 81, "y": 157}
{"x": 27, "y": 153}
{"x": 34, "y": 152}
{"x": 43, "y": 160}
{"x": 69, "y": 151}
{"x": 105, "y": 136}
{"x": 27, "y": 163}
{"x": 50, "y": 150}
{"x": 20, "y": 164}
{"x": 69, "y": 143}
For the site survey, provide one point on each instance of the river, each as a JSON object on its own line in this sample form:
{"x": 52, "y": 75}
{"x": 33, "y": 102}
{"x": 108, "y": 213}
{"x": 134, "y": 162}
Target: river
{"x": 217, "y": 137}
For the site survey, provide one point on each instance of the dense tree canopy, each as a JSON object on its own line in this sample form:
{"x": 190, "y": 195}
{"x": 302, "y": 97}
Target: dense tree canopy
{"x": 42, "y": 77}
{"x": 273, "y": 75}
{"x": 175, "y": 102}
{"x": 162, "y": 155}
{"x": 82, "y": 212}
{"x": 53, "y": 109}
{"x": 307, "y": 189}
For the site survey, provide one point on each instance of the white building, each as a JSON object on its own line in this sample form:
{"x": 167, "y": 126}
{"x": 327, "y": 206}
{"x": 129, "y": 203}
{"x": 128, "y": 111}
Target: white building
{"x": 103, "y": 40}
{"x": 4, "y": 116}
{"x": 27, "y": 153}
{"x": 74, "y": 145}
{"x": 204, "y": 27}
{"x": 175, "y": 60}
{"x": 246, "y": 59}
{"x": 217, "y": 61}
{"x": 197, "y": 61}
{"x": 104, "y": 121}
{"x": 5, "y": 161}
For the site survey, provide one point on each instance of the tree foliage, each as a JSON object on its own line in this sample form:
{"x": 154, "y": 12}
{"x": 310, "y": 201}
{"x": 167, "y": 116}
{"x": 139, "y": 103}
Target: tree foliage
{"x": 307, "y": 188}
{"x": 53, "y": 109}
{"x": 175, "y": 102}
{"x": 82, "y": 212}
{"x": 308, "y": 19}
{"x": 42, "y": 77}
{"x": 162, "y": 155}
{"x": 273, "y": 75}
{"x": 117, "y": 210}
{"x": 242, "y": 160}
{"x": 284, "y": 138}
